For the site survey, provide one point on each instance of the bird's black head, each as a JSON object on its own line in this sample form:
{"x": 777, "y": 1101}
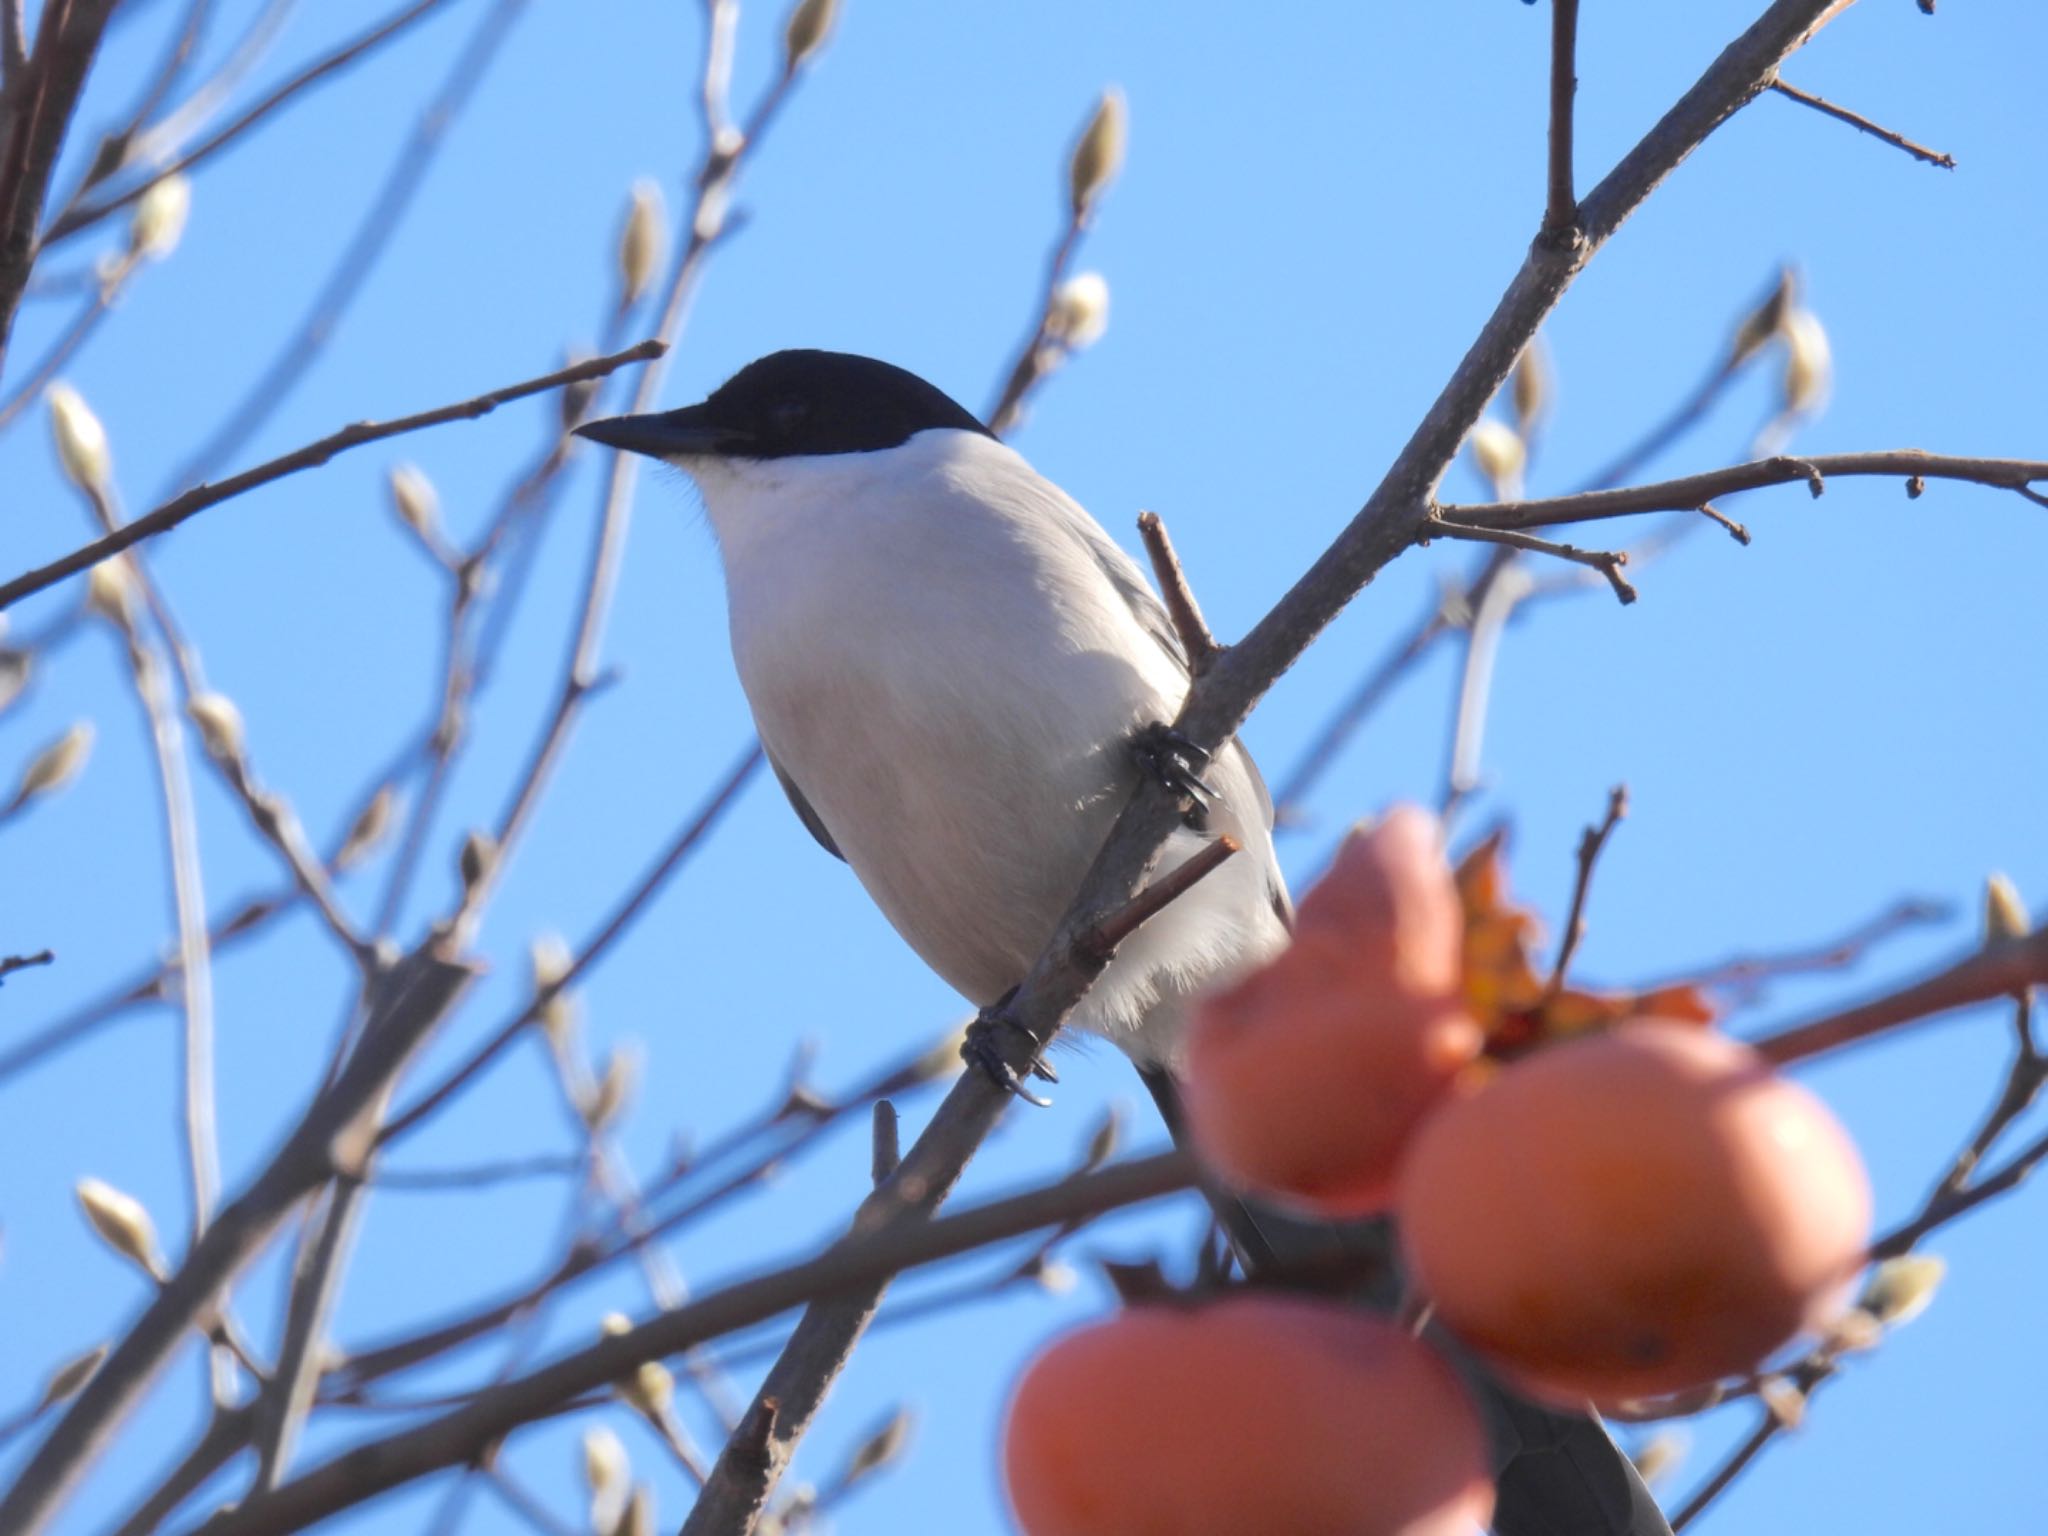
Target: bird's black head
{"x": 798, "y": 402}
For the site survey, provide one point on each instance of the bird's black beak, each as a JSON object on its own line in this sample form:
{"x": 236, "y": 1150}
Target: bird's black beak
{"x": 666, "y": 435}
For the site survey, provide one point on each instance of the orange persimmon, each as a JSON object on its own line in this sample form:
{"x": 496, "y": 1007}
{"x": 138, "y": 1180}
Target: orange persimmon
{"x": 1305, "y": 1079}
{"x": 1253, "y": 1413}
{"x": 1633, "y": 1213}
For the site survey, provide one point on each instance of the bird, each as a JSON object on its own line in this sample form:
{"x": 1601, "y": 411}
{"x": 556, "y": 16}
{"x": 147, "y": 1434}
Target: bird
{"x": 959, "y": 678}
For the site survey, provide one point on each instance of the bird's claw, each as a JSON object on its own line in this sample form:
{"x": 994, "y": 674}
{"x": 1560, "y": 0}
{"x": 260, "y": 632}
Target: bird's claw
{"x": 982, "y": 1048}
{"x": 1175, "y": 762}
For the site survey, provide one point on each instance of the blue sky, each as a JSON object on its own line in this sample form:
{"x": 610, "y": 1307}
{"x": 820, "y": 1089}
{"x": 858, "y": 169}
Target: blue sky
{"x": 1320, "y": 206}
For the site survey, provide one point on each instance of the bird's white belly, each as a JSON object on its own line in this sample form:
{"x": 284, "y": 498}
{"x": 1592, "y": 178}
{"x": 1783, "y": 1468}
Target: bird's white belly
{"x": 966, "y": 760}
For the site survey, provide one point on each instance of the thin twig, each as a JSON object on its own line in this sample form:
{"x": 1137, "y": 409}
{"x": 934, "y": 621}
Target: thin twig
{"x": 9, "y": 964}
{"x": 1032, "y": 362}
{"x": 479, "y": 1175}
{"x": 200, "y": 497}
{"x": 1181, "y": 607}
{"x": 1608, "y": 562}
{"x": 1747, "y": 973}
{"x": 1859, "y": 121}
{"x": 1591, "y": 841}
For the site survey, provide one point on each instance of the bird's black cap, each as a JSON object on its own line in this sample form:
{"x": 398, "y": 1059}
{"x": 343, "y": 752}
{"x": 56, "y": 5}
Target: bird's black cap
{"x": 789, "y": 403}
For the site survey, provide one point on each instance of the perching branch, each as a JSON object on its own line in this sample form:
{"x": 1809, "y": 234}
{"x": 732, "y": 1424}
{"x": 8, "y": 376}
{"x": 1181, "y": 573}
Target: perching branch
{"x": 200, "y": 497}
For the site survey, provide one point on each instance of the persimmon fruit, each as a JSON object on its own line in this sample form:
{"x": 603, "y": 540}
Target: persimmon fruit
{"x": 1633, "y": 1213}
{"x": 1257, "y": 1412}
{"x": 1305, "y": 1079}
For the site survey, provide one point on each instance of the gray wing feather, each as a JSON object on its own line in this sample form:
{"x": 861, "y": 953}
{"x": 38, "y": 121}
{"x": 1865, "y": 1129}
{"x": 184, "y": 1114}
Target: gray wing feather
{"x": 804, "y": 812}
{"x": 1130, "y": 584}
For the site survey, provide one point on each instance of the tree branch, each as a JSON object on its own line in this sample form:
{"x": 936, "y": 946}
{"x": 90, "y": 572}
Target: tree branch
{"x": 852, "y": 1263}
{"x": 1690, "y": 492}
{"x": 1857, "y": 120}
{"x": 1181, "y": 606}
{"x": 200, "y": 497}
{"x": 1561, "y": 207}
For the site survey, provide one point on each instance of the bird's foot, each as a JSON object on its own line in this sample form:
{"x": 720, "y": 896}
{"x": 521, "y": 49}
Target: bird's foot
{"x": 983, "y": 1048}
{"x": 1175, "y": 762}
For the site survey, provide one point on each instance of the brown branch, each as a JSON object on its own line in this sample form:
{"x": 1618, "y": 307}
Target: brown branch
{"x": 200, "y": 497}
{"x": 1728, "y": 1471}
{"x": 1103, "y": 937}
{"x": 847, "y": 1265}
{"x": 479, "y": 1175}
{"x": 352, "y": 268}
{"x": 1858, "y": 121}
{"x": 1181, "y": 606}
{"x": 76, "y": 218}
{"x": 1998, "y": 970}
{"x": 1608, "y": 562}
{"x": 40, "y": 99}
{"x": 1690, "y": 492}
{"x": 1591, "y": 841}
{"x": 1561, "y": 206}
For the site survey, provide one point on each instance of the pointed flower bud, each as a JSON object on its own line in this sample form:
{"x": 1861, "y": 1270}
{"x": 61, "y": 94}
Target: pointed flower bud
{"x": 881, "y": 1448}
{"x": 1900, "y": 1289}
{"x": 1764, "y": 322}
{"x": 2005, "y": 915}
{"x": 57, "y": 764}
{"x": 650, "y": 1389}
{"x": 1099, "y": 153}
{"x": 1501, "y": 455}
{"x": 479, "y": 857}
{"x": 1659, "y": 1456}
{"x": 160, "y": 215}
{"x": 606, "y": 1473}
{"x": 15, "y": 668}
{"x": 1079, "y": 312}
{"x": 81, "y": 440}
{"x": 371, "y": 824}
{"x": 1809, "y": 364}
{"x": 613, "y": 1089}
{"x": 122, "y": 1223}
{"x": 110, "y": 591}
{"x": 810, "y": 23}
{"x": 65, "y": 1381}
{"x": 415, "y": 500}
{"x": 640, "y": 238}
{"x": 1533, "y": 387}
{"x": 220, "y": 726}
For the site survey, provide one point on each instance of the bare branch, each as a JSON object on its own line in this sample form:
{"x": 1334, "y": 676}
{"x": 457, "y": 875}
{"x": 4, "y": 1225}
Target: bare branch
{"x": 9, "y": 964}
{"x": 1181, "y": 606}
{"x": 40, "y": 98}
{"x": 1591, "y": 841}
{"x": 852, "y": 1264}
{"x": 1690, "y": 492}
{"x": 200, "y": 497}
{"x": 1859, "y": 121}
{"x": 1561, "y": 207}
{"x": 1608, "y": 562}
{"x": 1997, "y": 970}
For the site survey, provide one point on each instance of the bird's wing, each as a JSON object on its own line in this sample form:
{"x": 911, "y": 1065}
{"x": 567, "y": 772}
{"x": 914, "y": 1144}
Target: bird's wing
{"x": 804, "y": 812}
{"x": 1130, "y": 584}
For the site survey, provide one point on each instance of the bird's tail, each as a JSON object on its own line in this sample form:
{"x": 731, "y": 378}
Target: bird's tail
{"x": 1555, "y": 1473}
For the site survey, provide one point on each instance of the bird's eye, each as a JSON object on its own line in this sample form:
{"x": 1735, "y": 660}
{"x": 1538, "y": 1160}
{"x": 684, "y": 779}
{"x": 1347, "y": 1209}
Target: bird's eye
{"x": 790, "y": 414}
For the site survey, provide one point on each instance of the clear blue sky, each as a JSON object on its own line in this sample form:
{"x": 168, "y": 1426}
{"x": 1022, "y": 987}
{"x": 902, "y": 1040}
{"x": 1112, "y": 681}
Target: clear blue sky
{"x": 1320, "y": 207}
